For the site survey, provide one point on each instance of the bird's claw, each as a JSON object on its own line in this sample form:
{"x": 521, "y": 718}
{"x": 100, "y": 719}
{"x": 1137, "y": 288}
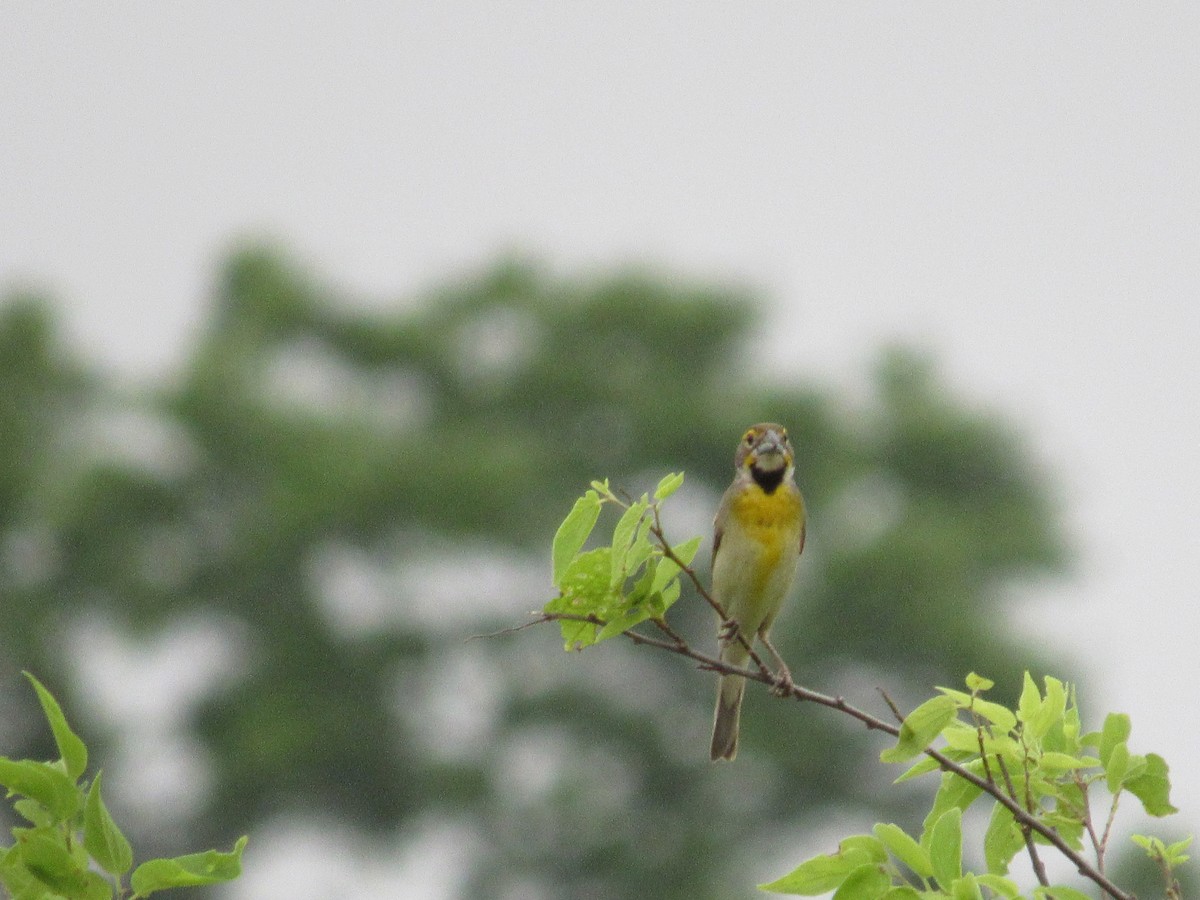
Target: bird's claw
{"x": 728, "y": 631}
{"x": 783, "y": 685}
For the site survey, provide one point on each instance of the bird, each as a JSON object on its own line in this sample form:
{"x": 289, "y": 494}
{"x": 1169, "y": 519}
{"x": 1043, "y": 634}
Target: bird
{"x": 758, "y": 535}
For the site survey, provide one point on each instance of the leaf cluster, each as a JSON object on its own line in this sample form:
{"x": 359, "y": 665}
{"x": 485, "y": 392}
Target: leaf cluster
{"x": 71, "y": 848}
{"x": 1041, "y": 770}
{"x": 609, "y": 589}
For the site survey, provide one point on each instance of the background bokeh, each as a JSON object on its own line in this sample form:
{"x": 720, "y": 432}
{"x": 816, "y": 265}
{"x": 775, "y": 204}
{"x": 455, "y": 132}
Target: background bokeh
{"x": 315, "y": 319}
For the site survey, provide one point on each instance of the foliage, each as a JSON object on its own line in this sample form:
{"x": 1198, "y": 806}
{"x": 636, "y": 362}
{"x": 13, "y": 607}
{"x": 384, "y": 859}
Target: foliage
{"x": 345, "y": 493}
{"x": 72, "y": 849}
{"x": 1034, "y": 761}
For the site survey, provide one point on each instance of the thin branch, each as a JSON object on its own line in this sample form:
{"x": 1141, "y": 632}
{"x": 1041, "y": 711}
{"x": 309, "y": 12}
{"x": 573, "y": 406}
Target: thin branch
{"x": 1026, "y": 824}
{"x": 1023, "y": 818}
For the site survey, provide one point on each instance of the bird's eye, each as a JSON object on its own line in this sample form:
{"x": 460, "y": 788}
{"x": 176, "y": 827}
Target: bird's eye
{"x": 749, "y": 437}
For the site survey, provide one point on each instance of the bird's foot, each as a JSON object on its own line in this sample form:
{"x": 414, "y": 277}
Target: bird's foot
{"x": 783, "y": 685}
{"x": 728, "y": 631}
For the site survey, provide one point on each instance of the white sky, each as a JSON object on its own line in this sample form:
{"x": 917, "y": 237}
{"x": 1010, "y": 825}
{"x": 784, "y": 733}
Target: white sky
{"x": 1015, "y": 186}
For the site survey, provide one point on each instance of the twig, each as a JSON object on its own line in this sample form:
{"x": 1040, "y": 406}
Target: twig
{"x": 1026, "y": 824}
{"x": 1024, "y": 819}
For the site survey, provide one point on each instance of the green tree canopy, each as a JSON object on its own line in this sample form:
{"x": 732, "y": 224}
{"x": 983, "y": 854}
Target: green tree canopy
{"x": 348, "y": 494}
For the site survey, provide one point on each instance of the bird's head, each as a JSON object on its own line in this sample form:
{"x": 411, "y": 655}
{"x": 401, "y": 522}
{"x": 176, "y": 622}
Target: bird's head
{"x": 764, "y": 448}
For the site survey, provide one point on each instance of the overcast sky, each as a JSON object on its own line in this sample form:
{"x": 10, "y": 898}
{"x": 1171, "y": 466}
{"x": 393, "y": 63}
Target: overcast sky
{"x": 1015, "y": 186}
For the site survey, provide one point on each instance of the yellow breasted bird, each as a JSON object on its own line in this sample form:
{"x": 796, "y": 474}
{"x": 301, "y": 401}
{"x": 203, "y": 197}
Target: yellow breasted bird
{"x": 758, "y": 534}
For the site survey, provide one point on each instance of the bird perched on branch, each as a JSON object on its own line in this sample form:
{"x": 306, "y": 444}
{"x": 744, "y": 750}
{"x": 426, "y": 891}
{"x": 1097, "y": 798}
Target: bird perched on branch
{"x": 758, "y": 535}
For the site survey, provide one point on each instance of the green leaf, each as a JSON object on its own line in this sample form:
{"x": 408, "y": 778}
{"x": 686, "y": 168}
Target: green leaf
{"x": 44, "y": 782}
{"x": 33, "y": 811}
{"x": 998, "y": 715}
{"x": 1117, "y": 765}
{"x": 687, "y": 550}
{"x": 1031, "y": 700}
{"x": 966, "y": 888}
{"x": 210, "y": 867}
{"x": 905, "y": 848}
{"x": 585, "y": 591}
{"x": 1061, "y": 892}
{"x": 868, "y": 843}
{"x": 668, "y": 485}
{"x": 977, "y": 683}
{"x": 1174, "y": 852}
{"x": 920, "y": 727}
{"x": 623, "y": 534}
{"x": 867, "y": 882}
{"x": 573, "y": 533}
{"x": 820, "y": 874}
{"x": 668, "y": 569}
{"x": 624, "y": 621}
{"x": 1153, "y": 787}
{"x": 1116, "y": 731}
{"x": 45, "y": 854}
{"x": 1002, "y": 886}
{"x": 953, "y": 793}
{"x": 922, "y": 767}
{"x": 70, "y": 747}
{"x": 1002, "y": 840}
{"x": 1051, "y": 709}
{"x": 945, "y": 847}
{"x": 903, "y": 892}
{"x": 1055, "y": 763}
{"x": 101, "y": 836}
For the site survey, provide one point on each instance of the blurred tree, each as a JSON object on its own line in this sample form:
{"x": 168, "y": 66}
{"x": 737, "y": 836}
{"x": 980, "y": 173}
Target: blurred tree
{"x": 349, "y": 494}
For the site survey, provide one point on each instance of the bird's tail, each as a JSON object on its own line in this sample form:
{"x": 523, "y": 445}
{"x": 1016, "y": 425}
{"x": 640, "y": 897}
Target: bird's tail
{"x": 729, "y": 702}
{"x": 725, "y": 719}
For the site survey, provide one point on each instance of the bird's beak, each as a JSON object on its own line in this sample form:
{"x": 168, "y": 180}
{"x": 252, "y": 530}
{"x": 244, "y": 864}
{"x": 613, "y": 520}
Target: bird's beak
{"x": 770, "y": 453}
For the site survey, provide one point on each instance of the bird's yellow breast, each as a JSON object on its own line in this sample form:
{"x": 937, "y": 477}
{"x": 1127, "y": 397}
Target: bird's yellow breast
{"x": 772, "y": 521}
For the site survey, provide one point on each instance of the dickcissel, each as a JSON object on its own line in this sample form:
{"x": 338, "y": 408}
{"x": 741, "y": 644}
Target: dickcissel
{"x": 758, "y": 534}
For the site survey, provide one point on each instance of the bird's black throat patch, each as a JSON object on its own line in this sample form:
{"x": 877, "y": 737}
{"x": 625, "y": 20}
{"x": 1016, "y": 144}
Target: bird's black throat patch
{"x": 768, "y": 479}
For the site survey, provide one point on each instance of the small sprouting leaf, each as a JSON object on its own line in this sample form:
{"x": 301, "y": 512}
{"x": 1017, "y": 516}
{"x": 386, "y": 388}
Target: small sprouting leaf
{"x": 1116, "y": 767}
{"x": 945, "y": 847}
{"x": 867, "y": 882}
{"x": 668, "y": 485}
{"x": 820, "y": 874}
{"x": 101, "y": 836}
{"x": 70, "y": 747}
{"x": 904, "y": 848}
{"x": 1116, "y": 731}
{"x": 44, "y": 782}
{"x": 977, "y": 683}
{"x": 1151, "y": 845}
{"x": 573, "y": 533}
{"x": 920, "y": 727}
{"x": 1153, "y": 787}
{"x": 210, "y": 867}
{"x": 1175, "y": 850}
